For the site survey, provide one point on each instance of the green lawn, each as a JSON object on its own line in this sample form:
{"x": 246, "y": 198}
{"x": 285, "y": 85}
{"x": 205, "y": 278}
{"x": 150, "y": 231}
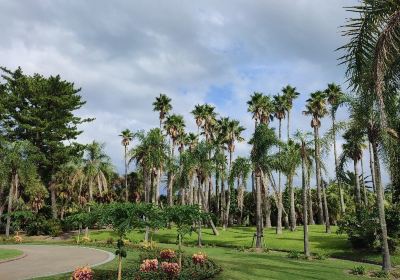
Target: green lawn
{"x": 9, "y": 254}
{"x": 333, "y": 244}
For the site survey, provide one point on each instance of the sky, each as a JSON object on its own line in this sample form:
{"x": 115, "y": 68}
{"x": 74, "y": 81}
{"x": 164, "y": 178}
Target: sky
{"x": 125, "y": 53}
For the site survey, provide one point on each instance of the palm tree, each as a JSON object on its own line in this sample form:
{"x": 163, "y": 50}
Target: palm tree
{"x": 174, "y": 126}
{"x": 305, "y": 143}
{"x": 163, "y": 106}
{"x": 18, "y": 161}
{"x": 262, "y": 109}
{"x": 372, "y": 51}
{"x": 335, "y": 98}
{"x": 263, "y": 140}
{"x": 316, "y": 108}
{"x": 290, "y": 94}
{"x": 290, "y": 159}
{"x": 353, "y": 149}
{"x": 233, "y": 131}
{"x": 280, "y": 107}
{"x": 96, "y": 165}
{"x": 127, "y": 137}
{"x": 240, "y": 171}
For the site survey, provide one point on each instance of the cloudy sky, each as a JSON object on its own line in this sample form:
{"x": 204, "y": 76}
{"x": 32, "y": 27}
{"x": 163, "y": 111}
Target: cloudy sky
{"x": 124, "y": 53}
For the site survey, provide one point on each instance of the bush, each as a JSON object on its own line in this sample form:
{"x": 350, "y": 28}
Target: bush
{"x": 380, "y": 274}
{"x": 320, "y": 256}
{"x": 110, "y": 241}
{"x": 82, "y": 273}
{"x": 361, "y": 228}
{"x": 53, "y": 228}
{"x": 358, "y": 270}
{"x": 294, "y": 255}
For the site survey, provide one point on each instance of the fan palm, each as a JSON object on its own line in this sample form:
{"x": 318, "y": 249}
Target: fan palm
{"x": 232, "y": 133}
{"x": 316, "y": 108}
{"x": 290, "y": 159}
{"x": 305, "y": 142}
{"x": 290, "y": 94}
{"x": 163, "y": 106}
{"x": 335, "y": 98}
{"x": 127, "y": 137}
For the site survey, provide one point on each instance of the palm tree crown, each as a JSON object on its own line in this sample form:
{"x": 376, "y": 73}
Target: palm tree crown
{"x": 316, "y": 107}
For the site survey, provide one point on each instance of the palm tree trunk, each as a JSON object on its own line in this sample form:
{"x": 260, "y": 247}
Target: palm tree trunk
{"x": 267, "y": 203}
{"x": 228, "y": 201}
{"x": 341, "y": 197}
{"x": 10, "y": 205}
{"x": 259, "y": 227}
{"x": 363, "y": 183}
{"x": 305, "y": 219}
{"x": 126, "y": 175}
{"x": 170, "y": 179}
{"x": 217, "y": 192}
{"x": 371, "y": 166}
{"x": 53, "y": 202}
{"x": 318, "y": 176}
{"x": 279, "y": 206}
{"x": 223, "y": 200}
{"x": 292, "y": 206}
{"x": 380, "y": 200}
{"x": 288, "y": 125}
{"x": 357, "y": 185}
{"x": 310, "y": 202}
{"x": 326, "y": 209}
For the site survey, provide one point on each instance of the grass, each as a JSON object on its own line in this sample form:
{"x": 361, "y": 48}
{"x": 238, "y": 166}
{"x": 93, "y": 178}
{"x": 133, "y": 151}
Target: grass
{"x": 256, "y": 266}
{"x": 333, "y": 244}
{"x": 6, "y": 254}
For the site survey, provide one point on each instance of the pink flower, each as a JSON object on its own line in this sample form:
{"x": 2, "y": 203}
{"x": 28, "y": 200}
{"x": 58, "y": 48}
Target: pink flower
{"x": 82, "y": 273}
{"x": 172, "y": 269}
{"x": 149, "y": 265}
{"x": 199, "y": 258}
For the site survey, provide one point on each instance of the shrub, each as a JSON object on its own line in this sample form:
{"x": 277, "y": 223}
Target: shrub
{"x": 149, "y": 265}
{"x": 380, "y": 274}
{"x": 361, "y": 228}
{"x": 86, "y": 239}
{"x": 199, "y": 258}
{"x": 82, "y": 273}
{"x": 17, "y": 239}
{"x": 110, "y": 240}
{"x": 167, "y": 254}
{"x": 294, "y": 255}
{"x": 171, "y": 269}
{"x": 358, "y": 270}
{"x": 53, "y": 227}
{"x": 320, "y": 256}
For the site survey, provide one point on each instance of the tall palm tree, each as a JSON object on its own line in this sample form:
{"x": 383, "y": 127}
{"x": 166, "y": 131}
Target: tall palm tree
{"x": 263, "y": 140}
{"x": 305, "y": 143}
{"x": 290, "y": 94}
{"x": 162, "y": 104}
{"x": 290, "y": 159}
{"x": 316, "y": 108}
{"x": 372, "y": 51}
{"x": 127, "y": 137}
{"x": 335, "y": 98}
{"x": 233, "y": 133}
{"x": 174, "y": 126}
{"x": 353, "y": 149}
{"x": 262, "y": 108}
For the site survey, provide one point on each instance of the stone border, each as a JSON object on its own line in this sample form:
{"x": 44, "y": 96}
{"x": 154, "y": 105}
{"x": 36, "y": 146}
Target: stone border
{"x": 23, "y": 255}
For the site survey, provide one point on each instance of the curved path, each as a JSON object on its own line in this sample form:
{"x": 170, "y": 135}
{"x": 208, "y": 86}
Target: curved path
{"x": 46, "y": 260}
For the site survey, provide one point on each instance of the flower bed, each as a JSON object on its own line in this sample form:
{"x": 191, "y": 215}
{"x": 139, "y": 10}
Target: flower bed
{"x": 156, "y": 264}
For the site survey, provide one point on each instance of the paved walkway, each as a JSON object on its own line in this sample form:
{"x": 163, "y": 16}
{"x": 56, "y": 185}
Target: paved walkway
{"x": 45, "y": 260}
